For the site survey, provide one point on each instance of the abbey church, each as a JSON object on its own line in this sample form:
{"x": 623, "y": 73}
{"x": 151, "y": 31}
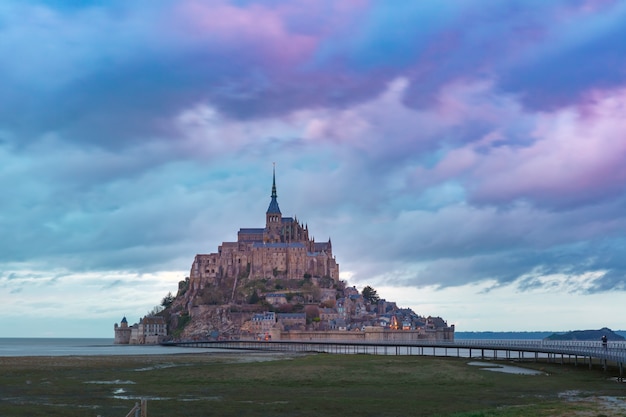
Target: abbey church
{"x": 280, "y": 249}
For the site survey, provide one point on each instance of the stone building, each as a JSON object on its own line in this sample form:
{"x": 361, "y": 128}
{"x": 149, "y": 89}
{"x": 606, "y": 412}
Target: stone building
{"x": 150, "y": 330}
{"x": 282, "y": 249}
{"x": 122, "y": 332}
{"x": 262, "y": 324}
{"x": 291, "y": 321}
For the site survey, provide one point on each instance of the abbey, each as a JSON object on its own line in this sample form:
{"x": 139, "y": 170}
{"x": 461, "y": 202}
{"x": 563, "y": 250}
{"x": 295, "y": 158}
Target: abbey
{"x": 281, "y": 249}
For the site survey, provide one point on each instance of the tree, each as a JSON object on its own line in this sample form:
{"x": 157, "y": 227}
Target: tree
{"x": 167, "y": 300}
{"x": 370, "y": 295}
{"x": 311, "y": 313}
{"x": 254, "y": 298}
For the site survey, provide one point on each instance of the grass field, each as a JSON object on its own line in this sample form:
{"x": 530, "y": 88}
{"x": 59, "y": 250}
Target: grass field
{"x": 257, "y": 384}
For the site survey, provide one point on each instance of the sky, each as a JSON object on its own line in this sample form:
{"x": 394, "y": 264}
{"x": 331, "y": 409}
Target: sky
{"x": 467, "y": 158}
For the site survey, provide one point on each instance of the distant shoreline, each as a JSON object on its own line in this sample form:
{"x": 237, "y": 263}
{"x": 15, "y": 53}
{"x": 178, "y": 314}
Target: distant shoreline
{"x": 530, "y": 335}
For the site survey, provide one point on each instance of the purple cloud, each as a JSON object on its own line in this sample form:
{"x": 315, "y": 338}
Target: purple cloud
{"x": 472, "y": 141}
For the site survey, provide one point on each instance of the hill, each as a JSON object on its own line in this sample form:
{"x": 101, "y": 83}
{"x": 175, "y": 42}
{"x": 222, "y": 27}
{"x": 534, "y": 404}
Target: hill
{"x": 587, "y": 335}
{"x": 278, "y": 278}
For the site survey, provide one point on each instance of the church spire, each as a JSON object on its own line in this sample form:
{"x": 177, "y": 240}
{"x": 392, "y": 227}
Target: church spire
{"x": 273, "y": 208}
{"x": 274, "y": 181}
{"x": 273, "y": 219}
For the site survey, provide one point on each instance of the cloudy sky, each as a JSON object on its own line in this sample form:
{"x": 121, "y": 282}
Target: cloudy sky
{"x": 467, "y": 158}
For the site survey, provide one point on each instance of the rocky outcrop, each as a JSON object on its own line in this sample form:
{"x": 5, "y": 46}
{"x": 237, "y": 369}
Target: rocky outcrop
{"x": 587, "y": 335}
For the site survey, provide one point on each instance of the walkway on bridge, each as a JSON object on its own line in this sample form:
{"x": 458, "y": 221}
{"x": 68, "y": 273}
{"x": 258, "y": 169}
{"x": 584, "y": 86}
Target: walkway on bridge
{"x": 612, "y": 353}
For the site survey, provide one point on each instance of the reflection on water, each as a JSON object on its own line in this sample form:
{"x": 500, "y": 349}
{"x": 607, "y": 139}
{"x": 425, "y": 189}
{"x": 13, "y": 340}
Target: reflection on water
{"x": 115, "y": 381}
{"x": 507, "y": 369}
{"x": 85, "y": 347}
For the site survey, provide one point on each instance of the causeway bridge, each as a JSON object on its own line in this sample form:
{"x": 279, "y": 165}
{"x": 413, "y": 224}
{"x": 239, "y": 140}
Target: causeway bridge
{"x": 577, "y": 352}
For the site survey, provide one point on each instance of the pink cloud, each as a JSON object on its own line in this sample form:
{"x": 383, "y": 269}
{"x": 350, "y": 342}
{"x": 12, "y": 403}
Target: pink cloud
{"x": 274, "y": 31}
{"x": 577, "y": 156}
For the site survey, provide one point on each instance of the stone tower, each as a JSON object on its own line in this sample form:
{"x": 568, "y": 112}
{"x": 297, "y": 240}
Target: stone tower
{"x": 273, "y": 217}
{"x": 122, "y": 332}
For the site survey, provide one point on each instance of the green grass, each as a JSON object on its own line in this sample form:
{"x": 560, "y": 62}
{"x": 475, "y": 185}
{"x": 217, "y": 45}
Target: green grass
{"x": 308, "y": 385}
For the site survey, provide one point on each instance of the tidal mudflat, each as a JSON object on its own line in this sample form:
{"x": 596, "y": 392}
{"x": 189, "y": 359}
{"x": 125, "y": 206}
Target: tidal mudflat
{"x": 264, "y": 384}
{"x": 507, "y": 369}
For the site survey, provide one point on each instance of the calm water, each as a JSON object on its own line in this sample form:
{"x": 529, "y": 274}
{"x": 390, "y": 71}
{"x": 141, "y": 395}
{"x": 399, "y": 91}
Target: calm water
{"x": 82, "y": 347}
{"x": 87, "y": 347}
{"x": 105, "y": 346}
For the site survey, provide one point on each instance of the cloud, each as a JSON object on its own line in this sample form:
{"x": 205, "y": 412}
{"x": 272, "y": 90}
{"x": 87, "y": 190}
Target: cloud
{"x": 573, "y": 156}
{"x": 475, "y": 143}
{"x": 581, "y": 54}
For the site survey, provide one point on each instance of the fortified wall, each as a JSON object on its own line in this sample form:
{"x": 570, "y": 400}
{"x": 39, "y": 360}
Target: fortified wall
{"x": 373, "y": 334}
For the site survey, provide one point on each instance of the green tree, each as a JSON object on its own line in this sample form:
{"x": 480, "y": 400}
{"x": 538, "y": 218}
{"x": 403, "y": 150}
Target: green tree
{"x": 370, "y": 295}
{"x": 254, "y": 298}
{"x": 167, "y": 300}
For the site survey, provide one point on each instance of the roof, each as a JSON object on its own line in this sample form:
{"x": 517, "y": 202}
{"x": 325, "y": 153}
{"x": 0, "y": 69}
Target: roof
{"x": 278, "y": 245}
{"x": 153, "y": 320}
{"x": 267, "y": 316}
{"x": 293, "y": 316}
{"x": 273, "y": 208}
{"x": 320, "y": 246}
{"x": 437, "y": 321}
{"x": 250, "y": 230}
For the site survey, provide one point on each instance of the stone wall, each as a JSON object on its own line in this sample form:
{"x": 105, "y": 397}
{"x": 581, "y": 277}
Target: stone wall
{"x": 122, "y": 335}
{"x": 373, "y": 334}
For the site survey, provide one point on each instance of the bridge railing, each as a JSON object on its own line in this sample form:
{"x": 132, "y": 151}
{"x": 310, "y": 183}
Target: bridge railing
{"x": 614, "y": 351}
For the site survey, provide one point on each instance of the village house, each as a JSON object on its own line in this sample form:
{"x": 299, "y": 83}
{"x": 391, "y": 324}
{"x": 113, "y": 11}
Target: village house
{"x": 276, "y": 299}
{"x": 327, "y": 314}
{"x": 263, "y": 323}
{"x": 291, "y": 321}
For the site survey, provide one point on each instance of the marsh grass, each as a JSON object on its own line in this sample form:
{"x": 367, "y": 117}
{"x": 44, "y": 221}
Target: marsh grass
{"x": 252, "y": 384}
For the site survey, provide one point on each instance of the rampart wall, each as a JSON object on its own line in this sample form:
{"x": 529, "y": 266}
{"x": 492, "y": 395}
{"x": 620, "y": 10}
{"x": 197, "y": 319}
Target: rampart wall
{"x": 374, "y": 334}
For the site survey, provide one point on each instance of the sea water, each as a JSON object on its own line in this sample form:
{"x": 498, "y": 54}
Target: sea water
{"x": 83, "y": 347}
